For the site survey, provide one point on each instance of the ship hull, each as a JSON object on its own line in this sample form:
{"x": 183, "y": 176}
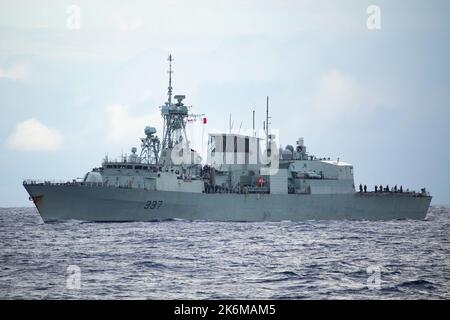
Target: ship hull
{"x": 65, "y": 202}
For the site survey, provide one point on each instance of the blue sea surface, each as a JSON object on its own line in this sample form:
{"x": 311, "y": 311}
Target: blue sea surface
{"x": 403, "y": 259}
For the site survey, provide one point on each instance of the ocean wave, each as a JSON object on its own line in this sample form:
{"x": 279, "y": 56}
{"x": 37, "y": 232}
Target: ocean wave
{"x": 179, "y": 259}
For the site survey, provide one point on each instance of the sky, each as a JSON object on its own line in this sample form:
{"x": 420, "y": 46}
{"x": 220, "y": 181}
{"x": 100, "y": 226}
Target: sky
{"x": 81, "y": 79}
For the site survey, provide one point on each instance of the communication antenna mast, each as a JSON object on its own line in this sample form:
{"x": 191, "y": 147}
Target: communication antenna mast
{"x": 253, "y": 132}
{"x": 174, "y": 114}
{"x": 169, "y": 89}
{"x": 267, "y": 123}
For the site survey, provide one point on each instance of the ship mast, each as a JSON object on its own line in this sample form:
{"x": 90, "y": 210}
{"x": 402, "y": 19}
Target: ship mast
{"x": 150, "y": 146}
{"x": 267, "y": 123}
{"x": 169, "y": 89}
{"x": 253, "y": 121}
{"x": 174, "y": 115}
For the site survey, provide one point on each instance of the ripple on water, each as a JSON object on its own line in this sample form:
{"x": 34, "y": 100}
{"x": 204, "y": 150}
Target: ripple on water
{"x": 194, "y": 259}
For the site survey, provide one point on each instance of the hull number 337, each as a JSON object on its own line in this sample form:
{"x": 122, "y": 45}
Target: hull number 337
{"x": 153, "y": 204}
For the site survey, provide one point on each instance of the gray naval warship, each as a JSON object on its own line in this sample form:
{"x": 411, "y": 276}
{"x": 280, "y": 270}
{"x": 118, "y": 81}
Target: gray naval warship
{"x": 245, "y": 178}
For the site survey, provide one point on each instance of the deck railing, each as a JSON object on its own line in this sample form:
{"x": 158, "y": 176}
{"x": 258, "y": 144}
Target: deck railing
{"x": 72, "y": 183}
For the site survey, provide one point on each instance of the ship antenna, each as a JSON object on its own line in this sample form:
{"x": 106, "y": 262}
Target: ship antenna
{"x": 253, "y": 132}
{"x": 267, "y": 123}
{"x": 169, "y": 92}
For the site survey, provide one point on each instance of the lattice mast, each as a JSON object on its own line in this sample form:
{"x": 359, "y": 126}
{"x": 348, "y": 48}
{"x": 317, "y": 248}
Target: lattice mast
{"x": 174, "y": 115}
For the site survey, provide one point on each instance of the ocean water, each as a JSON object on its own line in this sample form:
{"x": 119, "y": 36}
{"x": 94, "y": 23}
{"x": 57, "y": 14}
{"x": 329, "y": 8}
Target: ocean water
{"x": 403, "y": 259}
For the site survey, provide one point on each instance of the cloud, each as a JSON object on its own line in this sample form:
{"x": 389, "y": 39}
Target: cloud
{"x": 127, "y": 23}
{"x": 337, "y": 94}
{"x": 32, "y": 135}
{"x": 126, "y": 128}
{"x": 16, "y": 72}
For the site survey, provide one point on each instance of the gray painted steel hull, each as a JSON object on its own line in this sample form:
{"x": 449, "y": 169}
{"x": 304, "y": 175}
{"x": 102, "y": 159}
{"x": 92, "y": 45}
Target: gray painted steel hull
{"x": 61, "y": 202}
